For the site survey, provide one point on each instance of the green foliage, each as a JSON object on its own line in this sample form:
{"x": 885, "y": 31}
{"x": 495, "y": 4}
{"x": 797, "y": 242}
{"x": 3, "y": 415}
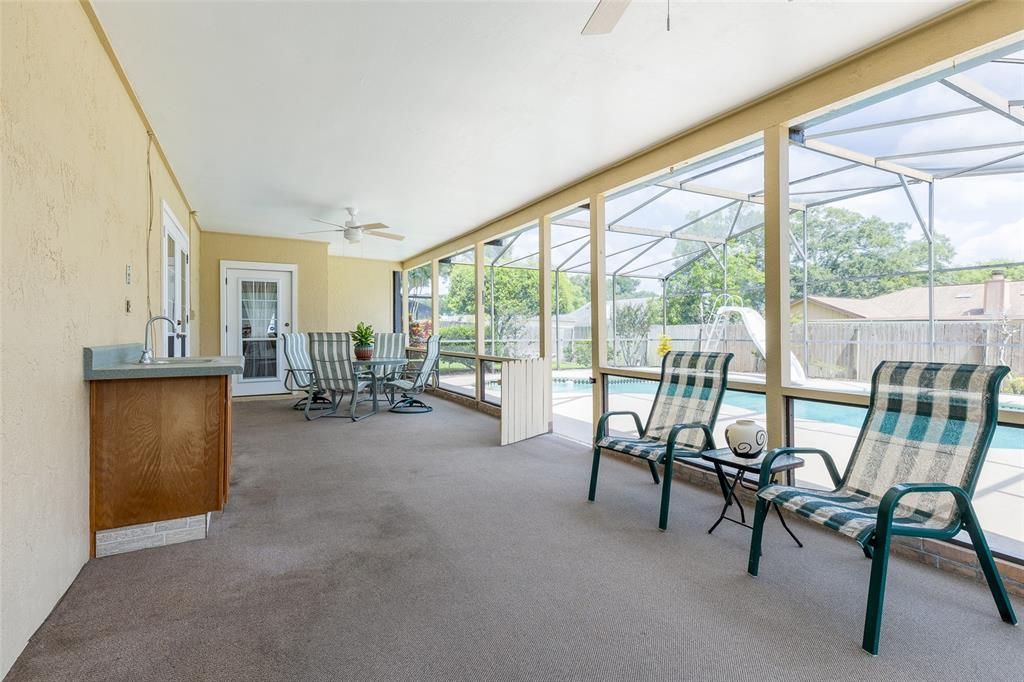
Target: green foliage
{"x": 632, "y": 325}
{"x": 458, "y": 337}
{"x": 1014, "y": 385}
{"x": 362, "y": 336}
{"x": 515, "y": 294}
{"x": 855, "y": 256}
{"x": 849, "y": 255}
{"x": 580, "y": 353}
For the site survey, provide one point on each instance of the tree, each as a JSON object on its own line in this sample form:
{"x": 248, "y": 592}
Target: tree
{"x": 849, "y": 255}
{"x": 515, "y": 296}
{"x": 632, "y": 326}
{"x": 855, "y": 256}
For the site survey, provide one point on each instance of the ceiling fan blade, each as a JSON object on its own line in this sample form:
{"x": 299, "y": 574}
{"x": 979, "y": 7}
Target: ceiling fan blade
{"x": 374, "y": 226}
{"x": 321, "y": 231}
{"x": 605, "y": 16}
{"x": 325, "y": 222}
{"x": 385, "y": 235}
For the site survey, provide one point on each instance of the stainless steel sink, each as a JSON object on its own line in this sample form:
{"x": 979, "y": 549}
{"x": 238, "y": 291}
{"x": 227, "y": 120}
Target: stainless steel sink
{"x": 181, "y": 361}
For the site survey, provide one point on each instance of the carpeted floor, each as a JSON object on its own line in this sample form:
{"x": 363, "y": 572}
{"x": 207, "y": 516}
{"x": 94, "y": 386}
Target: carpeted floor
{"x": 414, "y": 548}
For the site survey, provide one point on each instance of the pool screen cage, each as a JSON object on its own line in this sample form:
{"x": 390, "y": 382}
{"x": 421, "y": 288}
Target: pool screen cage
{"x": 907, "y": 142}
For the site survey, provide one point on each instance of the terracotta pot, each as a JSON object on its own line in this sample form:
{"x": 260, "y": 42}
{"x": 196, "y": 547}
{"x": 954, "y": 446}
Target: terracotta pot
{"x": 746, "y": 438}
{"x": 364, "y": 352}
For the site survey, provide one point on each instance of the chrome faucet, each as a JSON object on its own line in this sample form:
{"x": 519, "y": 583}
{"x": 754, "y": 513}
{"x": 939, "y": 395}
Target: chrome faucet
{"x": 147, "y": 352}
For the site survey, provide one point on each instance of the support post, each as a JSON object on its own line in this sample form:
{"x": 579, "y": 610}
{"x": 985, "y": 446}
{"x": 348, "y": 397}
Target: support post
{"x": 405, "y": 304}
{"x": 664, "y": 307}
{"x": 931, "y": 272}
{"x": 776, "y": 280}
{"x": 598, "y": 299}
{"x": 478, "y": 309}
{"x": 435, "y": 316}
{"x": 803, "y": 298}
{"x": 614, "y": 327}
{"x": 558, "y": 327}
{"x": 544, "y": 317}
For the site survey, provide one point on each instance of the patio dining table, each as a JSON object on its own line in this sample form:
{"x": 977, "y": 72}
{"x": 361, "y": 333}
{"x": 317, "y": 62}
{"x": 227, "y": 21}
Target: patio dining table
{"x": 389, "y": 365}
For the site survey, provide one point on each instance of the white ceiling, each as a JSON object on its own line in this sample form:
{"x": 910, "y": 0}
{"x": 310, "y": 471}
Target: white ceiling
{"x": 436, "y": 117}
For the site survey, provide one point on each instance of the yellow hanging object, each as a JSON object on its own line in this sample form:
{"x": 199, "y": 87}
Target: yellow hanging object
{"x": 664, "y": 345}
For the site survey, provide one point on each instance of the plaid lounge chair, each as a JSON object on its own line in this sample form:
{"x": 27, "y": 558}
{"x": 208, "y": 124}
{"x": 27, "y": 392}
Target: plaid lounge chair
{"x": 299, "y": 374}
{"x": 912, "y": 472}
{"x": 412, "y": 382}
{"x": 681, "y": 421}
{"x": 331, "y": 355}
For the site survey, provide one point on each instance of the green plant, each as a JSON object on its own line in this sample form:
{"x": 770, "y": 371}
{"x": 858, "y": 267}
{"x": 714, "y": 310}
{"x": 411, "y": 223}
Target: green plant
{"x": 1014, "y": 385}
{"x": 362, "y": 337}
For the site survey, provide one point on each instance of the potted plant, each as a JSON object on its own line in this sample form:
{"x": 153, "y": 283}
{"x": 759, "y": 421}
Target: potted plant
{"x": 362, "y": 341}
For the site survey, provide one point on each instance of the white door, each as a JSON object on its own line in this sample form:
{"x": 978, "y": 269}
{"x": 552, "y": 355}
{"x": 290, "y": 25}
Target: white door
{"x": 257, "y": 306}
{"x": 175, "y": 270}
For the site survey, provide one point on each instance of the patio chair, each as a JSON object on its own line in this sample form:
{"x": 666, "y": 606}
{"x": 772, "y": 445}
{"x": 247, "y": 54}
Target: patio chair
{"x": 299, "y": 373}
{"x": 912, "y": 472}
{"x": 331, "y": 354}
{"x": 412, "y": 382}
{"x": 388, "y": 345}
{"x": 681, "y": 421}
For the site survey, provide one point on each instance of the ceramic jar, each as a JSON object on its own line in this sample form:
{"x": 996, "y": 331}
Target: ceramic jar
{"x": 746, "y": 438}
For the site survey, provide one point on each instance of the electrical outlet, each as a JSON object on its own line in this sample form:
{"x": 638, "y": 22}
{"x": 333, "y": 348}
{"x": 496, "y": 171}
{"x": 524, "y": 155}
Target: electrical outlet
{"x": 128, "y": 275}
{"x": 127, "y": 305}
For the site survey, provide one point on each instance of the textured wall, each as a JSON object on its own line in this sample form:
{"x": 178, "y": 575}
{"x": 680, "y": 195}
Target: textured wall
{"x": 360, "y": 291}
{"x": 310, "y": 257}
{"x": 74, "y": 213}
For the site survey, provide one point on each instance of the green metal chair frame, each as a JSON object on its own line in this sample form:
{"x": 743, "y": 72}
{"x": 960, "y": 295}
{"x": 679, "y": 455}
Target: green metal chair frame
{"x": 687, "y": 402}
{"x": 932, "y": 420}
{"x": 331, "y": 355}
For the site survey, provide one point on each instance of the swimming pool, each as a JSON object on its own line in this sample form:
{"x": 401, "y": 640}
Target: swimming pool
{"x": 1007, "y": 437}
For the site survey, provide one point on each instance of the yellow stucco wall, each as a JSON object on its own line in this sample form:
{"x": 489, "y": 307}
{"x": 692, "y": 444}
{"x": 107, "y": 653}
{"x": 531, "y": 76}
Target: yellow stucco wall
{"x": 360, "y": 291}
{"x": 74, "y": 214}
{"x": 310, "y": 257}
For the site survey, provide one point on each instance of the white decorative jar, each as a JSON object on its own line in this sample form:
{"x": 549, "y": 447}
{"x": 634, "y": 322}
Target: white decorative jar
{"x": 746, "y": 438}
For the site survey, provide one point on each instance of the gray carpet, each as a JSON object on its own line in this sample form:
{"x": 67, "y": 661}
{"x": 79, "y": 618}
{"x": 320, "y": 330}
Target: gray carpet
{"x": 412, "y": 547}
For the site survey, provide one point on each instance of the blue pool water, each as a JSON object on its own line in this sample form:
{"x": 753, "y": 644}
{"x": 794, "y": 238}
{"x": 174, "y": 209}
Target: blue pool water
{"x": 846, "y": 415}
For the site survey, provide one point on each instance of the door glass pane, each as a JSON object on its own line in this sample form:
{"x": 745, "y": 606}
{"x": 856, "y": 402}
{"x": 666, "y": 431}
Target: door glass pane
{"x": 259, "y": 328}
{"x": 171, "y": 287}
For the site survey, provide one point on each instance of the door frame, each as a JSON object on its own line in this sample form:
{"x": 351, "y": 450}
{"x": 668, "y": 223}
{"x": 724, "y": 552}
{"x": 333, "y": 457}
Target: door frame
{"x": 226, "y": 265}
{"x": 171, "y": 227}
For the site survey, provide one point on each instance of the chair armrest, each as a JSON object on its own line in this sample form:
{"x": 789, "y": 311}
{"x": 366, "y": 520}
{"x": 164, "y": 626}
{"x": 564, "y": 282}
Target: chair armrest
{"x": 766, "y": 464}
{"x": 602, "y": 423}
{"x": 709, "y": 438}
{"x": 889, "y": 502}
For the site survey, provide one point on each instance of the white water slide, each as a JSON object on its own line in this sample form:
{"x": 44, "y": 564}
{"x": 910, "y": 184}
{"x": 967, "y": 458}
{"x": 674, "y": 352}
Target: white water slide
{"x": 754, "y": 324}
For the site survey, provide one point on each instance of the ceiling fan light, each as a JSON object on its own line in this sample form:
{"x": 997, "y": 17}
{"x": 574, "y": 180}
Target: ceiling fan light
{"x": 353, "y": 236}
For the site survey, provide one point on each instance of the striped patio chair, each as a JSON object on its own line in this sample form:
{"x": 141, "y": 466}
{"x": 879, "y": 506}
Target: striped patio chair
{"x": 331, "y": 355}
{"x": 299, "y": 373}
{"x": 912, "y": 472}
{"x": 681, "y": 421}
{"x": 412, "y": 382}
{"x": 388, "y": 345}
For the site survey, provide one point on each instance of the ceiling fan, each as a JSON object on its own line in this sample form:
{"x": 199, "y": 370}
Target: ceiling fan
{"x": 607, "y": 14}
{"x": 353, "y": 232}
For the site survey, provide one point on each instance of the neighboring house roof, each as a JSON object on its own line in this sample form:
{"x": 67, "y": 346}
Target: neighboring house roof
{"x": 581, "y": 316}
{"x": 952, "y": 302}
